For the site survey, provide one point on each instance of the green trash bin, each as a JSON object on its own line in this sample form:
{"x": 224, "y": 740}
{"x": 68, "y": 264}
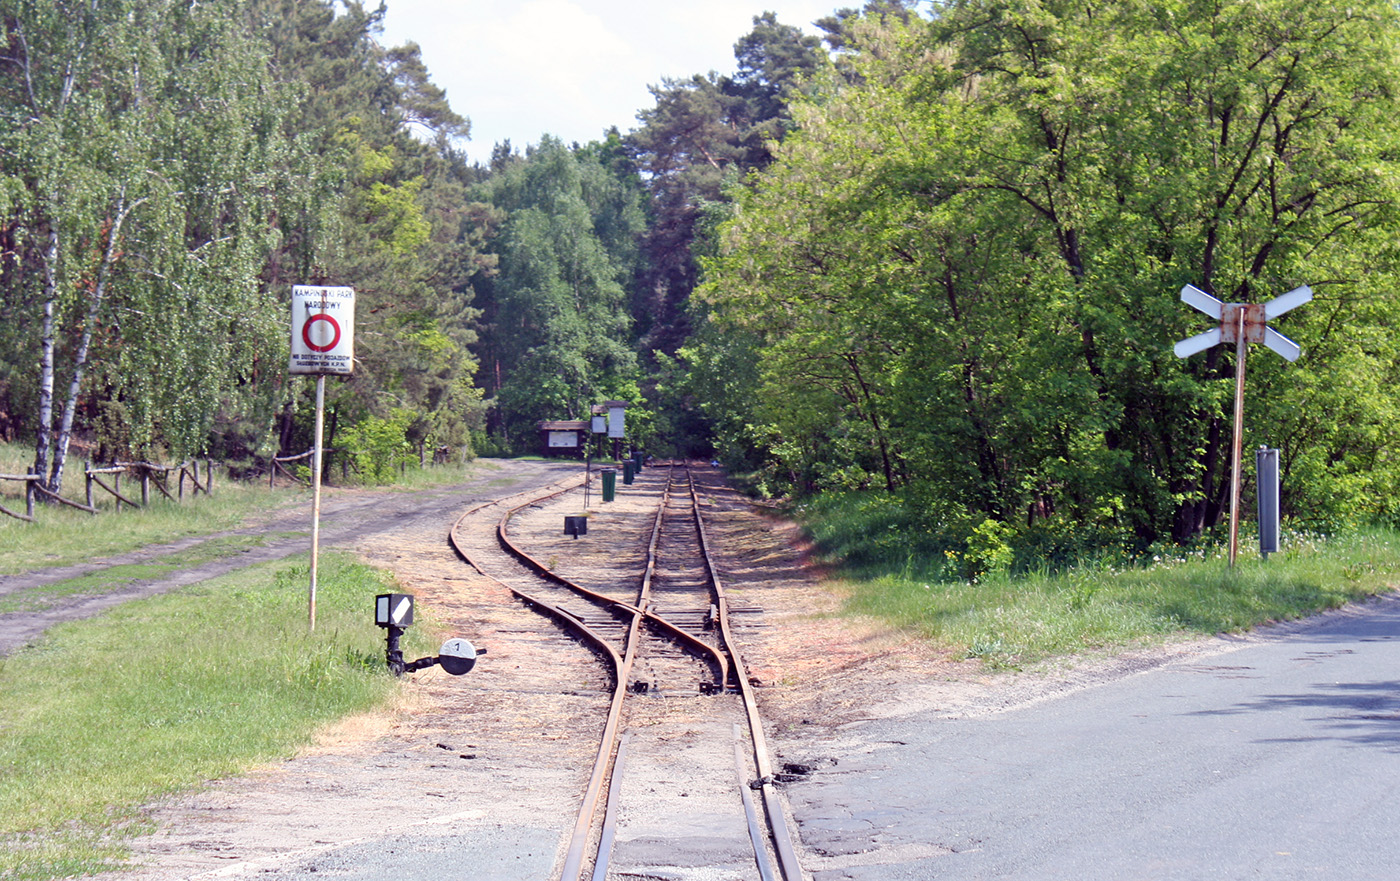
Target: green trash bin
{"x": 628, "y": 470}
{"x": 609, "y": 484}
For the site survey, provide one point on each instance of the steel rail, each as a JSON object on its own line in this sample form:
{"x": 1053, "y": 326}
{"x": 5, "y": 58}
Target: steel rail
{"x": 619, "y": 666}
{"x": 726, "y": 659}
{"x": 782, "y": 836}
{"x": 617, "y": 607}
{"x": 591, "y": 638}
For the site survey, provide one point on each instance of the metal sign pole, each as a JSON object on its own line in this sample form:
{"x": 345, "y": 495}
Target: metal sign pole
{"x": 322, "y": 342}
{"x": 1238, "y": 446}
{"x": 316, "y": 499}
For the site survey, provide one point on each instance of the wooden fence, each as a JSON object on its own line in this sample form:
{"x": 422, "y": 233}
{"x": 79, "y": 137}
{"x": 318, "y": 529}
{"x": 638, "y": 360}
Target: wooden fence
{"x": 109, "y": 479}
{"x": 280, "y": 463}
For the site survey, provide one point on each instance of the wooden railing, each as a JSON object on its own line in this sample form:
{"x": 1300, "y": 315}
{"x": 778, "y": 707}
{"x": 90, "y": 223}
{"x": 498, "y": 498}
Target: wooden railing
{"x": 30, "y": 481}
{"x": 109, "y": 479}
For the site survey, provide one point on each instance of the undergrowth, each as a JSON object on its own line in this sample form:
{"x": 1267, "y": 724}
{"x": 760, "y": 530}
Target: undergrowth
{"x": 981, "y": 595}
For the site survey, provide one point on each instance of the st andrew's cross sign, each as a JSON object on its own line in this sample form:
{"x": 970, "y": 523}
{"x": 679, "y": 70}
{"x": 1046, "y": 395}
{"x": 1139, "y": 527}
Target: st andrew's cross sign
{"x": 1241, "y": 324}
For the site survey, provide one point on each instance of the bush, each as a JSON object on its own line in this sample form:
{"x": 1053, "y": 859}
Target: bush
{"x": 379, "y": 447}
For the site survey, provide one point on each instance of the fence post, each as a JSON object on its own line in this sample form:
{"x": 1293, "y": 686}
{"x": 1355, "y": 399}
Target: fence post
{"x": 145, "y": 486}
{"x": 87, "y": 470}
{"x": 117, "y": 485}
{"x": 29, "y": 494}
{"x": 208, "y": 477}
{"x": 181, "y": 493}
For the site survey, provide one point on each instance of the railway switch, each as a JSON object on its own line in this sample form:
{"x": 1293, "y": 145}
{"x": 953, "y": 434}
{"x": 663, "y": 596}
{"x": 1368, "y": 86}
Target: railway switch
{"x": 394, "y": 612}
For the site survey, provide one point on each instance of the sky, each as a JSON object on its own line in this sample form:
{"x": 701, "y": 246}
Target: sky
{"x": 519, "y": 69}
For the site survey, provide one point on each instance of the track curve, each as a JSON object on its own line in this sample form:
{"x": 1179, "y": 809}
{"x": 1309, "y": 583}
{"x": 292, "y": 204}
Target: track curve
{"x": 667, "y": 617}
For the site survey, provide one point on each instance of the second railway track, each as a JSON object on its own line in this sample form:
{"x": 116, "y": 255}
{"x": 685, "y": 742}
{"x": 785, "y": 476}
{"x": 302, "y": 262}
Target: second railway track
{"x": 682, "y": 779}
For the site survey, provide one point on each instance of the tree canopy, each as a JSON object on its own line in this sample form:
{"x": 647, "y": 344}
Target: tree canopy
{"x": 937, "y": 259}
{"x": 961, "y": 272}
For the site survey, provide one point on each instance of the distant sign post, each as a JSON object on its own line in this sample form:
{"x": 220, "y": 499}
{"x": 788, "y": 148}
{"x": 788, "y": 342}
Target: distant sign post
{"x": 323, "y": 341}
{"x": 1241, "y": 324}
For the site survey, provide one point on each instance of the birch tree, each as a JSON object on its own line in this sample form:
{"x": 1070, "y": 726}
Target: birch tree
{"x": 143, "y": 152}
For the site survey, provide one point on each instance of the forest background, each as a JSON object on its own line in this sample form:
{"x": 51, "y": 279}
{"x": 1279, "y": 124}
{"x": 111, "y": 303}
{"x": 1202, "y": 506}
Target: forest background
{"x": 926, "y": 264}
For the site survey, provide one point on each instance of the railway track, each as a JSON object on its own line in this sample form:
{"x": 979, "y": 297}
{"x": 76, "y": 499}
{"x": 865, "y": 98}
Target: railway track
{"x": 682, "y": 774}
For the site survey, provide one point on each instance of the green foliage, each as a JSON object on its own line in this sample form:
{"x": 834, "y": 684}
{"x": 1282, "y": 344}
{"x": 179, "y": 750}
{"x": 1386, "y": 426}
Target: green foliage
{"x": 960, "y": 275}
{"x": 559, "y": 332}
{"x": 923, "y": 583}
{"x": 167, "y": 172}
{"x": 988, "y": 552}
{"x": 703, "y": 134}
{"x": 148, "y": 142}
{"x": 380, "y": 447}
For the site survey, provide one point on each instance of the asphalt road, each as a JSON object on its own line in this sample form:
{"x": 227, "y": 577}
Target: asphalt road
{"x": 1278, "y": 759}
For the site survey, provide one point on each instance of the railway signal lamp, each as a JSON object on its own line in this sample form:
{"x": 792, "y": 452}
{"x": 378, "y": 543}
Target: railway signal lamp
{"x": 394, "y": 612}
{"x": 575, "y": 525}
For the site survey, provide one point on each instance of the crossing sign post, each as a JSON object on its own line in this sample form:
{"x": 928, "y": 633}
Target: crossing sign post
{"x": 1241, "y": 324}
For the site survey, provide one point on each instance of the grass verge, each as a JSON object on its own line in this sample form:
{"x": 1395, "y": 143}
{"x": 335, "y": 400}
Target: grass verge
{"x": 63, "y": 536}
{"x": 1012, "y": 621}
{"x": 102, "y": 716}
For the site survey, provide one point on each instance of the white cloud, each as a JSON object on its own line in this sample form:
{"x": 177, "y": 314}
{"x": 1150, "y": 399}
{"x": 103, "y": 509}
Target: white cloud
{"x": 572, "y": 68}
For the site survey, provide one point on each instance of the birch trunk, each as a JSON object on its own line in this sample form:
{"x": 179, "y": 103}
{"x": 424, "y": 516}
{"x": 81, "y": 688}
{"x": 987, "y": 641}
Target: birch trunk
{"x": 80, "y": 357}
{"x": 44, "y": 440}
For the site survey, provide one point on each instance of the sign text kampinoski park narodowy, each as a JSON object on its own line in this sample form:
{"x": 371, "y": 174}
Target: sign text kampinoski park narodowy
{"x": 1240, "y": 323}
{"x": 323, "y": 341}
{"x": 323, "y": 330}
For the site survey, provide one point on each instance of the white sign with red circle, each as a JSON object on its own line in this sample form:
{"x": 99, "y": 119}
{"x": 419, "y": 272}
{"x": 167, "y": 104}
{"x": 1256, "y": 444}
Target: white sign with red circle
{"x": 323, "y": 330}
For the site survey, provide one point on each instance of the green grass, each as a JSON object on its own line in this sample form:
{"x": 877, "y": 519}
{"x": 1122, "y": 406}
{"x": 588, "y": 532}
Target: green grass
{"x": 1013, "y": 621}
{"x": 115, "y": 578}
{"x": 160, "y": 695}
{"x": 414, "y": 478}
{"x": 63, "y": 536}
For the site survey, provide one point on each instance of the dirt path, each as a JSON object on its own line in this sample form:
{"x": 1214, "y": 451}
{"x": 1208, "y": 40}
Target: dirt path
{"x": 484, "y": 771}
{"x": 348, "y": 517}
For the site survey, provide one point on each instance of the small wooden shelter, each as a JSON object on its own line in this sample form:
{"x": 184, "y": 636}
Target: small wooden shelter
{"x": 563, "y": 437}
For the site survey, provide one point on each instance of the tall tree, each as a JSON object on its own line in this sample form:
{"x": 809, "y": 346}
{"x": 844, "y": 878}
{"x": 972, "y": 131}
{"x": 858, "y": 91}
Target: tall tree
{"x": 398, "y": 226}
{"x": 558, "y": 333}
{"x": 963, "y": 268}
{"x": 142, "y": 146}
{"x": 704, "y": 133}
